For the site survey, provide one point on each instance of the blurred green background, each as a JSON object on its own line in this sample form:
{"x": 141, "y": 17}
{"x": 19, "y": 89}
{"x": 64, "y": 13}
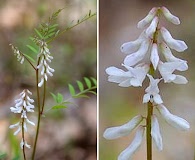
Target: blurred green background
{"x": 65, "y": 134}
{"x": 118, "y": 21}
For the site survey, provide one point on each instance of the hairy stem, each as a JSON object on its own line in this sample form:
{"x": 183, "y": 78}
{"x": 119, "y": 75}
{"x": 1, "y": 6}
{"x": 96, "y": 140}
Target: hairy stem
{"x": 39, "y": 112}
{"x": 148, "y": 131}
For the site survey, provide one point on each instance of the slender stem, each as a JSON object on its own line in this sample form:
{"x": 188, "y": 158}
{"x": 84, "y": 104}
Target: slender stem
{"x": 69, "y": 28}
{"x": 44, "y": 94}
{"x": 23, "y": 147}
{"x": 148, "y": 131}
{"x": 39, "y": 112}
{"x": 29, "y": 62}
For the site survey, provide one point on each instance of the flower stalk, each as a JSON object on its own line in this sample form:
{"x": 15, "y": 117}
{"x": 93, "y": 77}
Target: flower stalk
{"x": 148, "y": 130}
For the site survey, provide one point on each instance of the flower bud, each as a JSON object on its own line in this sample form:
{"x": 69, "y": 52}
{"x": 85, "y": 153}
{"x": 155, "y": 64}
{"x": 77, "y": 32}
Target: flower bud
{"x": 173, "y": 120}
{"x": 170, "y": 17}
{"x": 136, "y": 57}
{"x": 177, "y": 45}
{"x": 154, "y": 56}
{"x": 152, "y": 28}
{"x": 141, "y": 24}
{"x": 170, "y": 58}
{"x": 155, "y": 132}
{"x": 134, "y": 146}
{"x": 120, "y": 131}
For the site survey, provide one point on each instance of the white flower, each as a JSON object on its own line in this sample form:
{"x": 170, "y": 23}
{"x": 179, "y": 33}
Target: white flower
{"x": 22, "y": 106}
{"x": 166, "y": 70}
{"x": 170, "y": 58}
{"x": 170, "y": 17}
{"x": 155, "y": 132}
{"x": 132, "y": 77}
{"x": 24, "y": 143}
{"x": 132, "y": 46}
{"x": 19, "y": 55}
{"x": 152, "y": 28}
{"x": 43, "y": 66}
{"x": 154, "y": 58}
{"x": 134, "y": 146}
{"x": 152, "y": 91}
{"x": 173, "y": 120}
{"x": 145, "y": 21}
{"x": 137, "y": 56}
{"x": 177, "y": 45}
{"x": 123, "y": 130}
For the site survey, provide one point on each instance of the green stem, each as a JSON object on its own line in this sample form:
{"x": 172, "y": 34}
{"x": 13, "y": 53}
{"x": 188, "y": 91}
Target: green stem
{"x": 44, "y": 94}
{"x": 148, "y": 131}
{"x": 39, "y": 112}
{"x": 69, "y": 28}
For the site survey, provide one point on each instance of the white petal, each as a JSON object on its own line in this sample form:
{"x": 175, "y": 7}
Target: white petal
{"x": 136, "y": 57}
{"x": 14, "y": 125}
{"x": 132, "y": 46}
{"x": 29, "y": 92}
{"x": 125, "y": 83}
{"x": 166, "y": 70}
{"x": 120, "y": 131}
{"x": 25, "y": 127}
{"x": 155, "y": 132}
{"x": 22, "y": 144}
{"x": 152, "y": 28}
{"x": 170, "y": 58}
{"x": 154, "y": 56}
{"x": 177, "y": 45}
{"x": 18, "y": 130}
{"x": 141, "y": 24}
{"x": 173, "y": 120}
{"x": 170, "y": 17}
{"x": 27, "y": 145}
{"x": 116, "y": 75}
{"x": 133, "y": 147}
{"x": 30, "y": 122}
{"x": 41, "y": 82}
{"x": 146, "y": 98}
{"x": 157, "y": 99}
{"x": 153, "y": 86}
{"x": 180, "y": 80}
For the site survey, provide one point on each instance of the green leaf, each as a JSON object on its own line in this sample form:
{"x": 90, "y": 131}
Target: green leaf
{"x": 38, "y": 33}
{"x": 53, "y": 26}
{"x": 81, "y": 96}
{"x": 71, "y": 89}
{"x": 94, "y": 80}
{"x": 32, "y": 49}
{"x": 59, "y": 98}
{"x": 59, "y": 107}
{"x": 88, "y": 82}
{"x": 54, "y": 97}
{"x": 30, "y": 58}
{"x": 80, "y": 85}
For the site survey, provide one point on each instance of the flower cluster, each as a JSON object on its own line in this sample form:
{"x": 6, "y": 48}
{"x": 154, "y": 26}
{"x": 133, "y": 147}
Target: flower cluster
{"x": 19, "y": 55}
{"x": 22, "y": 106}
{"x": 44, "y": 57}
{"x": 143, "y": 60}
